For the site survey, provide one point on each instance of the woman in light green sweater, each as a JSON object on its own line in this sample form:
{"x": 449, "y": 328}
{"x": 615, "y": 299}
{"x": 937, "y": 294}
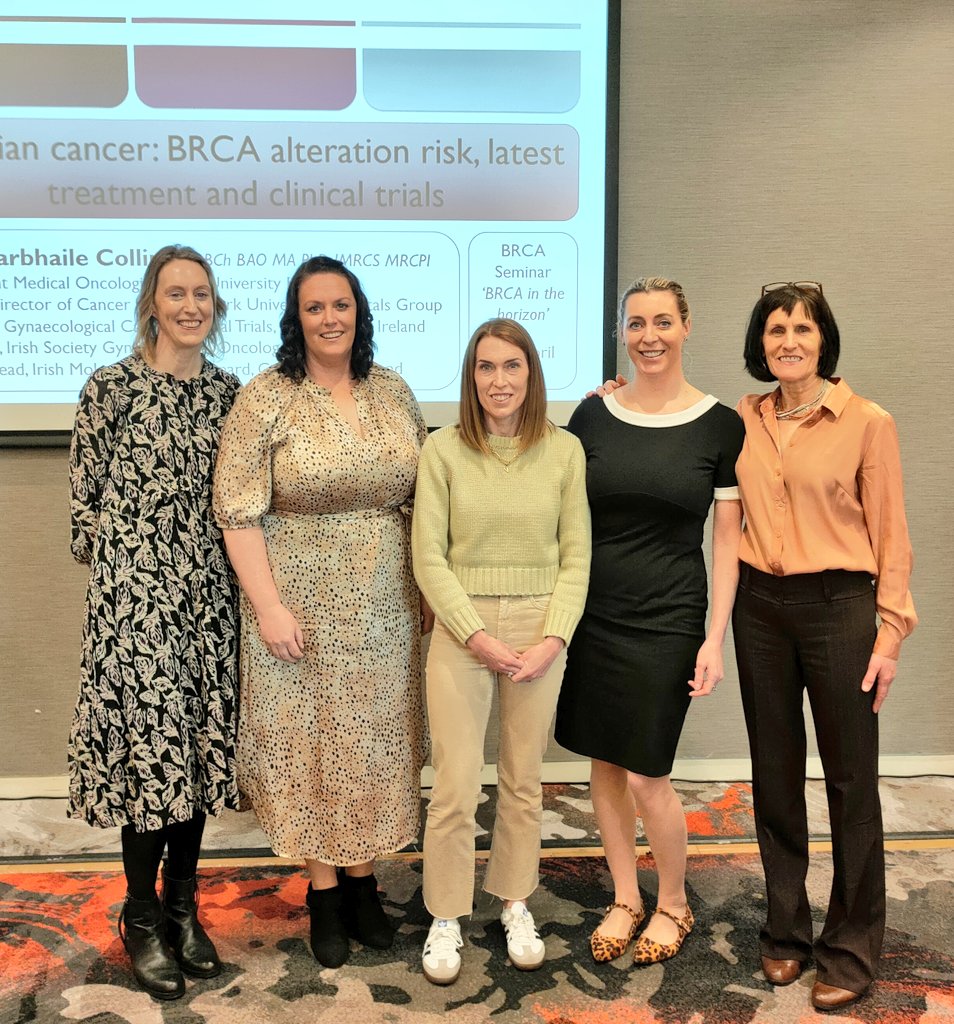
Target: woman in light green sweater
{"x": 501, "y": 549}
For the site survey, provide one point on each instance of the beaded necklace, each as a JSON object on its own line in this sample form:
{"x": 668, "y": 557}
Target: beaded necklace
{"x": 789, "y": 414}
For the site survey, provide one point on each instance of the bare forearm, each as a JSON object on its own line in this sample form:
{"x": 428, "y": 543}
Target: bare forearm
{"x": 726, "y": 533}
{"x": 249, "y": 557}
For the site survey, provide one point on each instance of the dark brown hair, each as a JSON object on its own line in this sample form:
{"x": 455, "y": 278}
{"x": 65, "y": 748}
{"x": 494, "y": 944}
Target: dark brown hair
{"x": 291, "y": 352}
{"x": 787, "y": 298}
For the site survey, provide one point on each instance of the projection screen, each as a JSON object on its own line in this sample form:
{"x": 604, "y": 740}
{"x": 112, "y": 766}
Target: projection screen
{"x": 459, "y": 158}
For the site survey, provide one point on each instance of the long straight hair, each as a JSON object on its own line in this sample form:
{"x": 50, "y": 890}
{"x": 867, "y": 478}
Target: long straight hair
{"x": 534, "y": 425}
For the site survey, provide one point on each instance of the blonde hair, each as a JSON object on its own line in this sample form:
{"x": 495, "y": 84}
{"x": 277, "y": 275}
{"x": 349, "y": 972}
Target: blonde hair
{"x": 534, "y": 425}
{"x": 145, "y": 340}
{"x": 654, "y": 284}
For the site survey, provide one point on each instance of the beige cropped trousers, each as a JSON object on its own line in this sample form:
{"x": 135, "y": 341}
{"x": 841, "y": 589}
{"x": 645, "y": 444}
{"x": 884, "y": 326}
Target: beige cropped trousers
{"x": 459, "y": 696}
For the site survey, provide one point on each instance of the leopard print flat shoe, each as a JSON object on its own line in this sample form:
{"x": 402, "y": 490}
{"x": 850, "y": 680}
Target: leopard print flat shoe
{"x": 648, "y": 951}
{"x": 608, "y": 947}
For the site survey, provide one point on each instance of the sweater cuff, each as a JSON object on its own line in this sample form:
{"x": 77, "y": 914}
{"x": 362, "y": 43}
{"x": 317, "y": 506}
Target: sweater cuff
{"x": 464, "y": 623}
{"x": 560, "y": 622}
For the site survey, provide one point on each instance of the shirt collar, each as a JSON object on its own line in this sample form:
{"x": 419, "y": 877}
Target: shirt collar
{"x": 837, "y": 397}
{"x": 834, "y": 401}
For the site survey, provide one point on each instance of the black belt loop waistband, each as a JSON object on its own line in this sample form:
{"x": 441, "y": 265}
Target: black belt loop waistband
{"x": 799, "y": 588}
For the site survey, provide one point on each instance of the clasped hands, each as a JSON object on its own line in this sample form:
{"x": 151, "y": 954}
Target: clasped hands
{"x": 521, "y": 667}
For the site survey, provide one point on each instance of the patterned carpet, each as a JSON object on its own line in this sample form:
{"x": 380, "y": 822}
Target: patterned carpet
{"x": 37, "y": 830}
{"x": 60, "y": 959}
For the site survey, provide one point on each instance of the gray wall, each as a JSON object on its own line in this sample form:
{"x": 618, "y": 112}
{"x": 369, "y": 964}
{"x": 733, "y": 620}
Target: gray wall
{"x": 761, "y": 140}
{"x": 768, "y": 140}
{"x": 41, "y": 608}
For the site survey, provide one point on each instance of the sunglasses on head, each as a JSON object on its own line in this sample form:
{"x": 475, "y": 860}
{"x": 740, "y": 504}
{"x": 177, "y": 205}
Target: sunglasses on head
{"x": 802, "y": 285}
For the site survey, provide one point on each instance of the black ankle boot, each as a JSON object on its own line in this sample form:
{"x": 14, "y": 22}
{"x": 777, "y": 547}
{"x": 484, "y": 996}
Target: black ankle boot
{"x": 189, "y": 942}
{"x": 364, "y": 915}
{"x": 153, "y": 963}
{"x": 329, "y": 939}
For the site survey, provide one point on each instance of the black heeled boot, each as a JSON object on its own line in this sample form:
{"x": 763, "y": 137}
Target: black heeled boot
{"x": 364, "y": 915}
{"x": 153, "y": 963}
{"x": 188, "y": 939}
{"x": 329, "y": 939}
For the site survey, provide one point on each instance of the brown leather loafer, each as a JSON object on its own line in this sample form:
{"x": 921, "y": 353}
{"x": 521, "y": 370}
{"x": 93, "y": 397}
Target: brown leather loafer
{"x": 830, "y": 997}
{"x": 781, "y": 972}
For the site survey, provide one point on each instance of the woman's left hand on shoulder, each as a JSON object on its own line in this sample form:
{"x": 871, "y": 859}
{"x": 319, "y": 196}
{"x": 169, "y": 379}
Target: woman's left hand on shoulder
{"x": 538, "y": 659}
{"x": 709, "y": 670}
{"x": 608, "y": 387}
{"x": 881, "y": 670}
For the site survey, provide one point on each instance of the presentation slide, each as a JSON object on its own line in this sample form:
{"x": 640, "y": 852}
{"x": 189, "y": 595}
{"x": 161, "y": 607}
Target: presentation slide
{"x": 453, "y": 156}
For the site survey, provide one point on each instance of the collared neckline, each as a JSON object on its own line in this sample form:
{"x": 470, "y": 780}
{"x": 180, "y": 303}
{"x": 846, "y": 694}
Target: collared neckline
{"x": 835, "y": 399}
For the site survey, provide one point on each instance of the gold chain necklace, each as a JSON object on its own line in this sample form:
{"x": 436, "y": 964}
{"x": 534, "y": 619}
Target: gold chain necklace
{"x": 790, "y": 414}
{"x": 505, "y": 462}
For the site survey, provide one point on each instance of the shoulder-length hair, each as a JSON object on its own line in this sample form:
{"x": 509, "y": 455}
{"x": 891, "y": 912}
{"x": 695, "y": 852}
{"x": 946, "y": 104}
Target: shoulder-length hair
{"x": 291, "y": 352}
{"x": 534, "y": 425}
{"x": 787, "y": 298}
{"x": 146, "y": 325}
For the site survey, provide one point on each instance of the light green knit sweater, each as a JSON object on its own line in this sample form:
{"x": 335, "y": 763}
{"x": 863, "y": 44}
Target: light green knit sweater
{"x": 484, "y": 528}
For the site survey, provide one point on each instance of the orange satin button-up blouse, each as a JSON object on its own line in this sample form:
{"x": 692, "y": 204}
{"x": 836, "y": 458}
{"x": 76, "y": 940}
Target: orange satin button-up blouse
{"x": 832, "y": 498}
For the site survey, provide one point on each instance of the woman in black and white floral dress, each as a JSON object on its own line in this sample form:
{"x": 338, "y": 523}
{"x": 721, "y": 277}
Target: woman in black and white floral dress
{"x": 152, "y": 745}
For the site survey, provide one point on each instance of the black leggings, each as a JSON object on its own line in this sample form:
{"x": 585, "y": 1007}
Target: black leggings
{"x": 142, "y": 854}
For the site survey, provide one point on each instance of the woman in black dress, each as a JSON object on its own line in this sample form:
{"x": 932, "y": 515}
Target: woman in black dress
{"x": 152, "y": 745}
{"x": 658, "y": 452}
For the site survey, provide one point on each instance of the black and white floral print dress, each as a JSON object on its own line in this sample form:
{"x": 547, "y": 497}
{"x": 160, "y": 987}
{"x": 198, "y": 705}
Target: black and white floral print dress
{"x": 153, "y": 734}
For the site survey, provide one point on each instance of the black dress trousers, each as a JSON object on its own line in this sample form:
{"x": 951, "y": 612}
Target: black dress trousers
{"x": 814, "y": 632}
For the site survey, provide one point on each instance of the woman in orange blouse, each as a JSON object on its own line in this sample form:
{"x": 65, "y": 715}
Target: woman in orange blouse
{"x": 825, "y": 547}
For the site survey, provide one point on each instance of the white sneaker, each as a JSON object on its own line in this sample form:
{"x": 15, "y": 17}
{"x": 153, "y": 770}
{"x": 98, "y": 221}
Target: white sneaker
{"x": 441, "y": 961}
{"x": 524, "y": 945}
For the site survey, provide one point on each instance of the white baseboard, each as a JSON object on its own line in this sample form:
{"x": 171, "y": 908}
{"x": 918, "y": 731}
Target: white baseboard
{"x": 34, "y": 787}
{"x": 740, "y": 769}
{"x": 689, "y": 770}
{"x": 27, "y": 787}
